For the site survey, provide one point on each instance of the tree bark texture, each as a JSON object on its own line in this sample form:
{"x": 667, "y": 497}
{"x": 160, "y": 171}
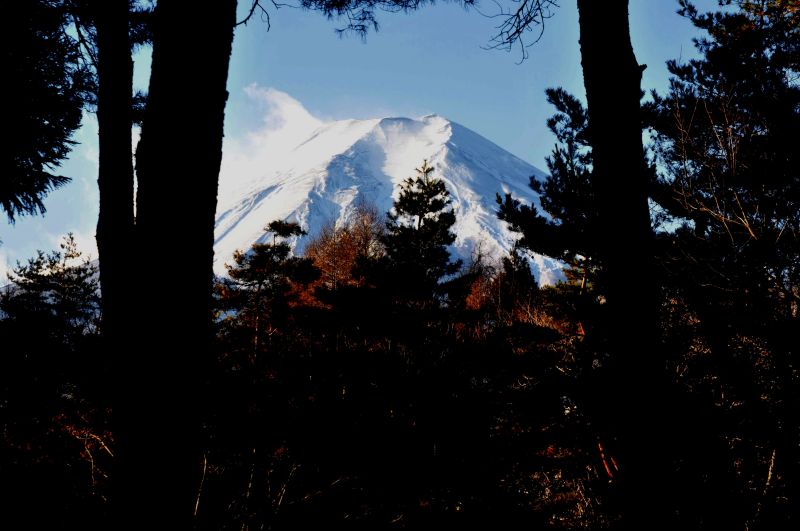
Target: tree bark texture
{"x": 178, "y": 161}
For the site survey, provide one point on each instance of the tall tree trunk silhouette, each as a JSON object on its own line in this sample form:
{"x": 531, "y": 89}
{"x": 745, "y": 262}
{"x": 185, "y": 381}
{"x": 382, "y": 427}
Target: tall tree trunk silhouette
{"x": 178, "y": 162}
{"x": 115, "y": 176}
{"x": 612, "y": 78}
{"x": 115, "y": 226}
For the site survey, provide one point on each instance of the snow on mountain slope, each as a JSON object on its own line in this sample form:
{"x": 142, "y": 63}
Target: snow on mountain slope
{"x": 302, "y": 169}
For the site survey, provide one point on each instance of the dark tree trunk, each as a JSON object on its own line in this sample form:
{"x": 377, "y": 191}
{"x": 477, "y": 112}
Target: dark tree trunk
{"x": 178, "y": 162}
{"x": 115, "y": 177}
{"x": 115, "y": 182}
{"x": 612, "y": 78}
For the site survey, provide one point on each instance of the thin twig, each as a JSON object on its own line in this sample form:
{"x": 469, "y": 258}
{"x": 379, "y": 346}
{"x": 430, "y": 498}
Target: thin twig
{"x": 200, "y": 489}
{"x": 511, "y": 31}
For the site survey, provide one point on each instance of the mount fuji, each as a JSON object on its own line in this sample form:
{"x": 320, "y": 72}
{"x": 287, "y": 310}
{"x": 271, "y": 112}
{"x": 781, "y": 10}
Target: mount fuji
{"x": 299, "y": 168}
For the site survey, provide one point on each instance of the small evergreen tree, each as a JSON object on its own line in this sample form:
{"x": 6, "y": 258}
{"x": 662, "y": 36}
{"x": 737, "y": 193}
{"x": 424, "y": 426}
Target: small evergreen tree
{"x": 54, "y": 293}
{"x": 55, "y": 445}
{"x": 565, "y": 223}
{"x": 261, "y": 287}
{"x": 418, "y": 233}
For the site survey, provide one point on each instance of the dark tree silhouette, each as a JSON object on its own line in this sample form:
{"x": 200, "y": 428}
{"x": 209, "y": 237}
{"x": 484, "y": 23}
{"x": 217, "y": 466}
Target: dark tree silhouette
{"x": 48, "y": 88}
{"x": 566, "y": 196}
{"x": 417, "y": 237}
{"x": 620, "y": 181}
{"x": 260, "y": 286}
{"x": 104, "y": 34}
{"x": 177, "y": 169}
{"x": 112, "y": 21}
{"x": 729, "y": 192}
{"x": 620, "y": 174}
{"x": 55, "y": 441}
{"x": 177, "y": 165}
{"x": 723, "y": 137}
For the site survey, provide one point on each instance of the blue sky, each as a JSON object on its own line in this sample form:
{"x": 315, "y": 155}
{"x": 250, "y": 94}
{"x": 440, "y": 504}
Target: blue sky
{"x": 431, "y": 61}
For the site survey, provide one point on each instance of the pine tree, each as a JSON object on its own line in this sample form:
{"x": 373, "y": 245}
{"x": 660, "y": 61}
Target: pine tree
{"x": 55, "y": 440}
{"x": 257, "y": 296}
{"x": 565, "y": 227}
{"x": 59, "y": 291}
{"x": 725, "y": 138}
{"x": 47, "y": 88}
{"x": 418, "y": 234}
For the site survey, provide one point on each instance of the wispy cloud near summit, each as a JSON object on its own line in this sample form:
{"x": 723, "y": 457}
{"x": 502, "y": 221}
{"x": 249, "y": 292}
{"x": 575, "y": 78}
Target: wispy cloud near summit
{"x": 284, "y": 124}
{"x": 281, "y": 111}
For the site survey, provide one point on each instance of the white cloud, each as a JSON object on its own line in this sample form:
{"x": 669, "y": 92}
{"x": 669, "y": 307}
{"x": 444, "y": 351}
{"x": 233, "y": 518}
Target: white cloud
{"x": 87, "y": 244}
{"x": 285, "y": 124}
{"x": 282, "y": 112}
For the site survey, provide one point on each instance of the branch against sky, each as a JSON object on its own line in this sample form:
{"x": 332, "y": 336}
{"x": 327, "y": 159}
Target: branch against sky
{"x": 517, "y": 18}
{"x": 516, "y": 22}
{"x": 358, "y": 14}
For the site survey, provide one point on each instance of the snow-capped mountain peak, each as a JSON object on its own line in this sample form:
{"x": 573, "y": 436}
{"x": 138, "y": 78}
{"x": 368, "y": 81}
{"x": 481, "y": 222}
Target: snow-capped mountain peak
{"x": 302, "y": 169}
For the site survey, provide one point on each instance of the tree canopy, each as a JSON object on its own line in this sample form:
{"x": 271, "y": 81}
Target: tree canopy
{"x": 51, "y": 85}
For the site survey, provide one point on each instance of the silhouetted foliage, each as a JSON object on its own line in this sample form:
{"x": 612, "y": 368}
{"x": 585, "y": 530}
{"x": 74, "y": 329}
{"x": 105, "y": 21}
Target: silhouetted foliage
{"x": 567, "y": 224}
{"x": 56, "y": 445}
{"x": 729, "y": 199}
{"x": 418, "y": 233}
{"x": 47, "y": 89}
{"x": 729, "y": 179}
{"x": 376, "y": 383}
{"x": 262, "y": 286}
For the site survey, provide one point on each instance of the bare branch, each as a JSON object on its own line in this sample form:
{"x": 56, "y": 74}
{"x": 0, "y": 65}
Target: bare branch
{"x": 256, "y": 6}
{"x": 84, "y": 41}
{"x": 253, "y": 7}
{"x": 528, "y": 17}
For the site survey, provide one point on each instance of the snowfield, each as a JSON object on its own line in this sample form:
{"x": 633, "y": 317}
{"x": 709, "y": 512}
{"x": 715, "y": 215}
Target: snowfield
{"x": 301, "y": 169}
